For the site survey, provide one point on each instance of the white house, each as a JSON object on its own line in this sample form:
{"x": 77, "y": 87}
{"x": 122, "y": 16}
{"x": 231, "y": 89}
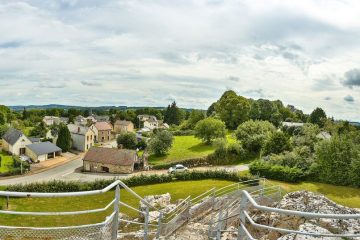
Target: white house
{"x": 83, "y": 138}
{"x": 14, "y": 142}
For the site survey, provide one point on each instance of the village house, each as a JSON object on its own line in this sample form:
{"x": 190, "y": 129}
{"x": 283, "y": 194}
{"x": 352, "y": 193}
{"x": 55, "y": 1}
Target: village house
{"x": 51, "y": 120}
{"x": 83, "y": 138}
{"x": 14, "y": 142}
{"x": 42, "y": 151}
{"x": 110, "y": 160}
{"x": 104, "y": 131}
{"x": 123, "y": 126}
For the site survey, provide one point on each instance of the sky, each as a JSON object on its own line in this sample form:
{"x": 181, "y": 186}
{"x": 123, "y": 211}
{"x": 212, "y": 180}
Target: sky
{"x": 149, "y": 53}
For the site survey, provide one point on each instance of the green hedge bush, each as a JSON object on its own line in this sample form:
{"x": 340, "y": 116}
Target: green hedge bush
{"x": 191, "y": 162}
{"x": 277, "y": 172}
{"x": 61, "y": 186}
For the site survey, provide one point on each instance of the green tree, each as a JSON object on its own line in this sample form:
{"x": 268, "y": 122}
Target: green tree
{"x": 211, "y": 110}
{"x": 127, "y": 140}
{"x": 209, "y": 129}
{"x": 2, "y": 118}
{"x": 64, "y": 138}
{"x": 194, "y": 117}
{"x": 39, "y": 130}
{"x": 233, "y": 109}
{"x": 318, "y": 117}
{"x": 173, "y": 114}
{"x": 278, "y": 142}
{"x": 161, "y": 142}
{"x": 3, "y": 130}
{"x": 252, "y": 134}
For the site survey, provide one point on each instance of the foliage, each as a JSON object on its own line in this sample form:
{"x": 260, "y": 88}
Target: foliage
{"x": 3, "y": 129}
{"x": 190, "y": 162}
{"x": 211, "y": 110}
{"x": 277, "y": 172}
{"x": 306, "y": 136}
{"x": 75, "y": 186}
{"x": 161, "y": 142}
{"x": 252, "y": 134}
{"x": 227, "y": 153}
{"x": 188, "y": 132}
{"x": 318, "y": 117}
{"x": 337, "y": 161}
{"x": 209, "y": 129}
{"x": 39, "y": 130}
{"x": 173, "y": 114}
{"x": 277, "y": 142}
{"x": 194, "y": 117}
{"x": 64, "y": 138}
{"x": 232, "y": 109}
{"x": 300, "y": 157}
{"x": 127, "y": 140}
{"x": 142, "y": 144}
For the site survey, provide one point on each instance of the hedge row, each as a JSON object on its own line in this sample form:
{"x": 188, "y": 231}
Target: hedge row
{"x": 277, "y": 172}
{"x": 75, "y": 186}
{"x": 192, "y": 162}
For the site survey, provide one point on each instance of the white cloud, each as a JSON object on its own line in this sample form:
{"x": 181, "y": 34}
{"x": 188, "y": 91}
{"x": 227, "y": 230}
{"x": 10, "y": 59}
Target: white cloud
{"x": 148, "y": 52}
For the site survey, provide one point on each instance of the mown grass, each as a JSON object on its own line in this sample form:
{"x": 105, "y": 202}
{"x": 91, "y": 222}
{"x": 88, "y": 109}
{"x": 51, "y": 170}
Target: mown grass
{"x": 178, "y": 190}
{"x": 186, "y": 147}
{"x": 6, "y": 162}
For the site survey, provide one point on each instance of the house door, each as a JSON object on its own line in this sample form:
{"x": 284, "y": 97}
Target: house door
{"x": 105, "y": 169}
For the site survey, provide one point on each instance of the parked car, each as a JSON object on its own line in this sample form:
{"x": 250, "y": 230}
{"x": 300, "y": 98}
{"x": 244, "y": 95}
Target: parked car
{"x": 25, "y": 158}
{"x": 178, "y": 168}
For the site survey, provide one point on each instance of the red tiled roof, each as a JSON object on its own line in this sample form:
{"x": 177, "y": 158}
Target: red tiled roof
{"x": 114, "y": 156}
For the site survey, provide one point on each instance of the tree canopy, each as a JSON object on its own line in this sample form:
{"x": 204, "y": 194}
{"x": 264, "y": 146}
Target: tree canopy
{"x": 127, "y": 140}
{"x": 161, "y": 142}
{"x": 209, "y": 129}
{"x": 64, "y": 138}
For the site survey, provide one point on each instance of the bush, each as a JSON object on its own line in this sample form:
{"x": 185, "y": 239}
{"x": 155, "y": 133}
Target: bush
{"x": 127, "y": 140}
{"x": 187, "y": 132}
{"x": 278, "y": 142}
{"x": 161, "y": 142}
{"x": 209, "y": 129}
{"x": 226, "y": 154}
{"x": 61, "y": 186}
{"x": 277, "y": 172}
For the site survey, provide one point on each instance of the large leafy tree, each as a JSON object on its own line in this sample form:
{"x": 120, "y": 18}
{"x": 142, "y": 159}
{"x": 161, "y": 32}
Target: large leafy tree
{"x": 161, "y": 142}
{"x": 252, "y": 134}
{"x": 64, "y": 138}
{"x": 209, "y": 129}
{"x": 127, "y": 140}
{"x": 39, "y": 130}
{"x": 318, "y": 116}
{"x": 194, "y": 117}
{"x": 233, "y": 109}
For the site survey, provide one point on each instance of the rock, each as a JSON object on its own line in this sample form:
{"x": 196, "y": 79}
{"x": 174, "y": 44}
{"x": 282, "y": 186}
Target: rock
{"x": 308, "y": 227}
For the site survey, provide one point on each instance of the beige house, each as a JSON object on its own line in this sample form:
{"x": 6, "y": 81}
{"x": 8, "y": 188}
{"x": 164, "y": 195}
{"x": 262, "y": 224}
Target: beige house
{"x": 123, "y": 126}
{"x": 42, "y": 151}
{"x": 110, "y": 160}
{"x": 51, "y": 120}
{"x": 83, "y": 138}
{"x": 104, "y": 131}
{"x": 14, "y": 142}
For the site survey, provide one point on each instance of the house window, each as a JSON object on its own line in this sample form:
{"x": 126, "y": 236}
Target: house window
{"x": 87, "y": 138}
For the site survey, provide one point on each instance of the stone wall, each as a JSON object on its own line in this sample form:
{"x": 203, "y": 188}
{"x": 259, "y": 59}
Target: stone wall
{"x": 98, "y": 167}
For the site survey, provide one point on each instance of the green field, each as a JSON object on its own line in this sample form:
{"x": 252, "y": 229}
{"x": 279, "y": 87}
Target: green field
{"x": 185, "y": 147}
{"x": 176, "y": 189}
{"x": 6, "y": 162}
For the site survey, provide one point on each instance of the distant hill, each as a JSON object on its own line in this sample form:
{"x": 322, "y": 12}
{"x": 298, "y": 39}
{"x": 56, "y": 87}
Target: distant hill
{"x": 49, "y": 106}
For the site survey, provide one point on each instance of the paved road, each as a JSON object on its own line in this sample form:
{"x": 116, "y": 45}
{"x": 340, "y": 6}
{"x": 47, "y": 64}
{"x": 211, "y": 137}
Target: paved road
{"x": 70, "y": 172}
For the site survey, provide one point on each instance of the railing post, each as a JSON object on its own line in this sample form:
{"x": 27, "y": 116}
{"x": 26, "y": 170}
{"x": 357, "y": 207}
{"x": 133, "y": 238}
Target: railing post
{"x": 210, "y": 229}
{"x": 158, "y": 232}
{"x": 243, "y": 203}
{"x": 218, "y": 232}
{"x": 213, "y": 199}
{"x": 116, "y": 216}
{"x": 146, "y": 224}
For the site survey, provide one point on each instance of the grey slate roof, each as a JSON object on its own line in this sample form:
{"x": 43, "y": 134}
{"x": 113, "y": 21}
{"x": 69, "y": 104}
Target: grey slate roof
{"x": 43, "y": 148}
{"x": 12, "y": 135}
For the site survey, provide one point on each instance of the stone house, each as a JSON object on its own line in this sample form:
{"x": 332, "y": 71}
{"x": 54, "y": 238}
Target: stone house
{"x": 42, "y": 151}
{"x": 83, "y": 138}
{"x": 51, "y": 120}
{"x": 110, "y": 160}
{"x": 14, "y": 142}
{"x": 123, "y": 126}
{"x": 104, "y": 130}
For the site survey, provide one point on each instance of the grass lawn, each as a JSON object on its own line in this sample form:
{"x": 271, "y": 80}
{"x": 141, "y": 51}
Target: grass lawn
{"x": 6, "y": 162}
{"x": 347, "y": 196}
{"x": 176, "y": 189}
{"x": 185, "y": 147}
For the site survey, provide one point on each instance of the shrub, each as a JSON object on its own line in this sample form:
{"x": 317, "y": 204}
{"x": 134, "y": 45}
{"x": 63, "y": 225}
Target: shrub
{"x": 161, "y": 142}
{"x": 127, "y": 140}
{"x": 187, "y": 132}
{"x": 61, "y": 186}
{"x": 277, "y": 172}
{"x": 278, "y": 142}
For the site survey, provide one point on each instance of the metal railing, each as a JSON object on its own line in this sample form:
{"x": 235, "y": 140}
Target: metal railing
{"x": 105, "y": 230}
{"x": 248, "y": 200}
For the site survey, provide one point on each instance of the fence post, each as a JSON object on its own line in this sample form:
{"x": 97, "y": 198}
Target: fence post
{"x": 158, "y": 232}
{"x": 243, "y": 203}
{"x": 146, "y": 224}
{"x": 116, "y": 210}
